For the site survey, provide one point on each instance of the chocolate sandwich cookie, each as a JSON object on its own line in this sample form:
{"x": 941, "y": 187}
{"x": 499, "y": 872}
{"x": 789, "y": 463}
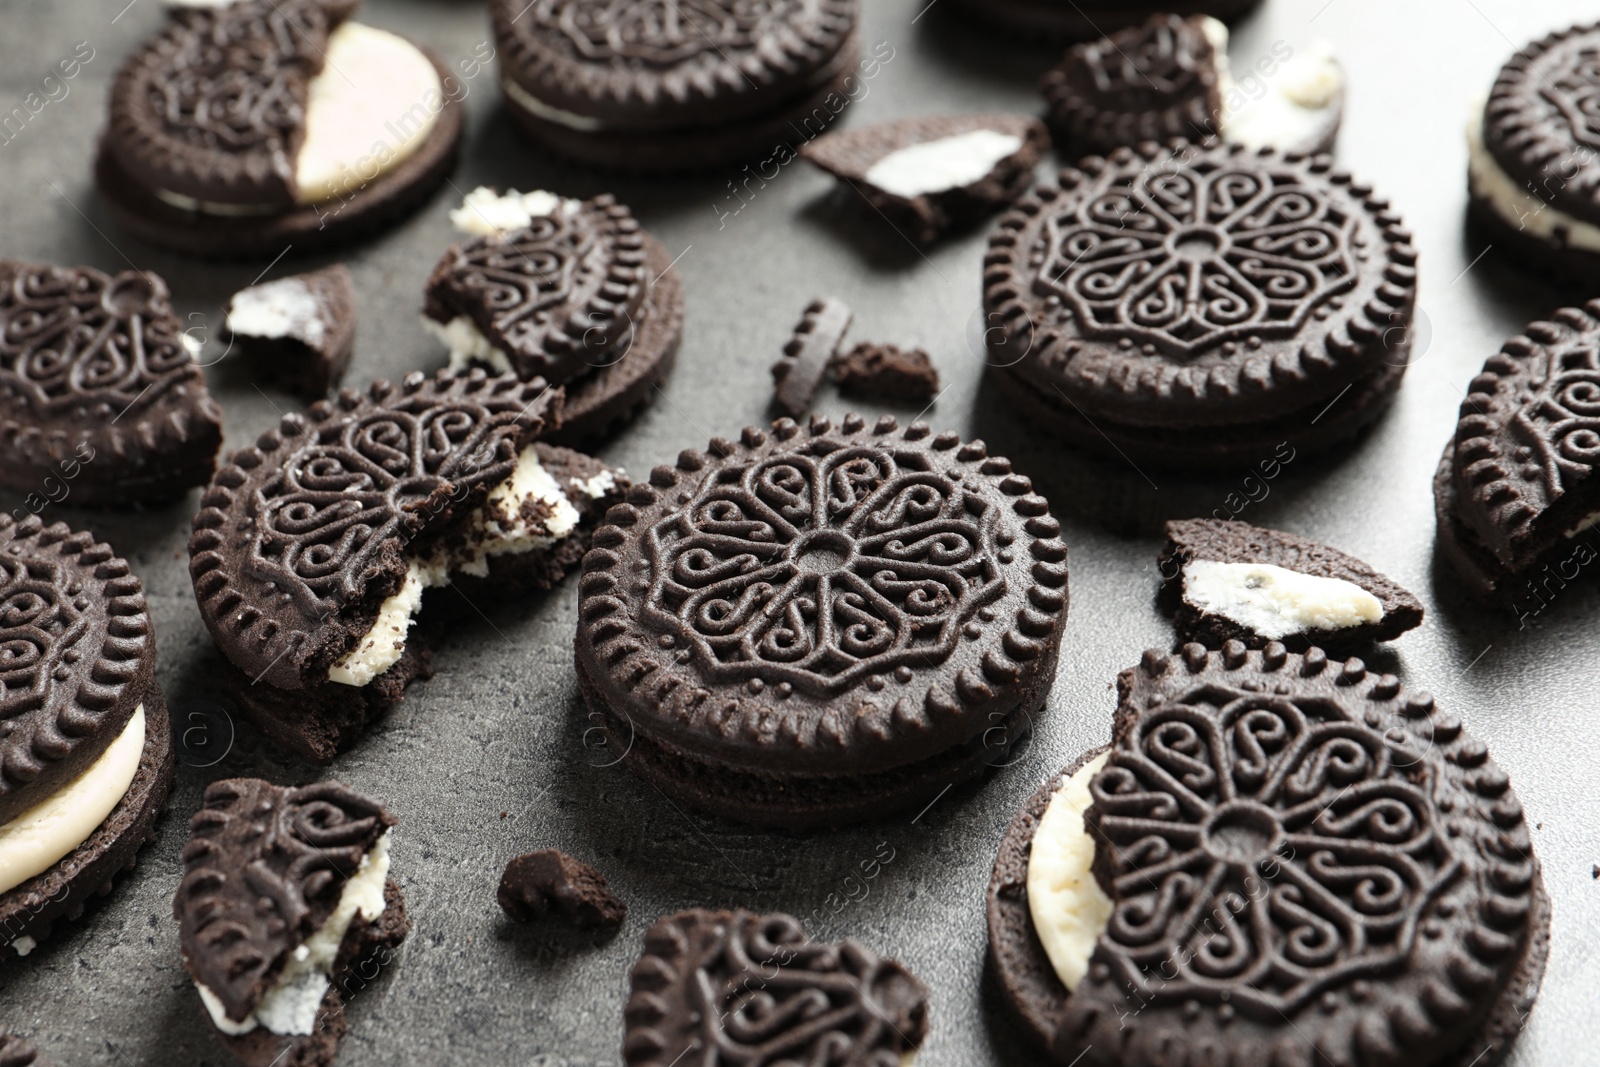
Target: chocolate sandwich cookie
{"x": 1280, "y": 859}
{"x": 549, "y": 882}
{"x": 1230, "y": 581}
{"x": 649, "y": 86}
{"x": 935, "y": 174}
{"x": 1532, "y": 173}
{"x": 1517, "y": 494}
{"x": 285, "y": 910}
{"x": 100, "y": 399}
{"x": 312, "y": 549}
{"x": 1171, "y": 78}
{"x": 822, "y": 624}
{"x": 571, "y": 291}
{"x": 300, "y": 330}
{"x": 1197, "y": 305}
{"x": 86, "y": 758}
{"x": 811, "y": 350}
{"x": 1071, "y": 20}
{"x": 727, "y": 988}
{"x": 242, "y": 128}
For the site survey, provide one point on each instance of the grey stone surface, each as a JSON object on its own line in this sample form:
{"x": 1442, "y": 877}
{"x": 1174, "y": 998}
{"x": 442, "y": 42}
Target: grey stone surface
{"x": 500, "y": 728}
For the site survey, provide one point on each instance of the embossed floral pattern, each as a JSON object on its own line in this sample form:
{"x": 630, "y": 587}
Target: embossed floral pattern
{"x": 40, "y": 621}
{"x": 658, "y": 33}
{"x": 1557, "y": 429}
{"x": 818, "y": 570}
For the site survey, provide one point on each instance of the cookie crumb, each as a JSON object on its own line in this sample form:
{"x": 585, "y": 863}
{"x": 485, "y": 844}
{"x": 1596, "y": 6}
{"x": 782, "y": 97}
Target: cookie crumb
{"x": 888, "y": 372}
{"x": 551, "y": 882}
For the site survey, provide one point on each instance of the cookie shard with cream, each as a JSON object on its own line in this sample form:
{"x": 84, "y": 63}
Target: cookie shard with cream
{"x": 285, "y": 891}
{"x": 938, "y": 173}
{"x": 299, "y": 330}
{"x": 346, "y": 128}
{"x": 1347, "y": 870}
{"x": 1229, "y": 580}
{"x": 770, "y": 987}
{"x": 86, "y": 761}
{"x": 101, "y": 402}
{"x": 312, "y": 549}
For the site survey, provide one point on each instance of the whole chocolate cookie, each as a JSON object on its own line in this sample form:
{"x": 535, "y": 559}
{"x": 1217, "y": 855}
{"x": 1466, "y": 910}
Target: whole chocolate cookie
{"x": 1295, "y": 860}
{"x": 822, "y": 624}
{"x": 100, "y": 400}
{"x": 728, "y": 986}
{"x": 1232, "y": 581}
{"x": 85, "y": 754}
{"x": 1201, "y": 298}
{"x": 650, "y": 86}
{"x": 244, "y": 127}
{"x": 285, "y": 892}
{"x": 1089, "y": 21}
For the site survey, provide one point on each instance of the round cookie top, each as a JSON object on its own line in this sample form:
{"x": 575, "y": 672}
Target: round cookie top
{"x": 1199, "y": 284}
{"x": 1156, "y": 82}
{"x": 76, "y": 656}
{"x": 823, "y": 599}
{"x": 1542, "y": 120}
{"x": 1301, "y": 855}
{"x": 300, "y": 537}
{"x": 1528, "y": 441}
{"x": 650, "y": 64}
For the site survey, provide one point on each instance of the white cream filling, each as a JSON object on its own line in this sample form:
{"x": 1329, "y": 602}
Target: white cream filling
{"x": 570, "y": 119}
{"x": 290, "y": 1006}
{"x": 375, "y": 102}
{"x": 1518, "y": 207}
{"x": 1070, "y": 911}
{"x": 1274, "y": 601}
{"x": 38, "y": 838}
{"x": 497, "y": 528}
{"x": 467, "y": 345}
{"x": 1294, "y": 108}
{"x": 942, "y": 164}
{"x": 283, "y": 308}
{"x": 484, "y": 212}
{"x": 24, "y": 945}
{"x": 596, "y": 487}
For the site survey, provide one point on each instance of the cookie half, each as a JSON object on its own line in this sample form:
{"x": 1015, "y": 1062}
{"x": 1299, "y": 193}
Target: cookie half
{"x": 300, "y": 330}
{"x": 647, "y": 86}
{"x": 727, "y": 986}
{"x": 1171, "y": 79}
{"x": 312, "y": 549}
{"x": 86, "y": 759}
{"x": 1201, "y": 301}
{"x": 285, "y": 892}
{"x": 242, "y": 128}
{"x": 938, "y": 173}
{"x": 100, "y": 399}
{"x": 1232, "y": 581}
{"x": 1280, "y": 859}
{"x": 822, "y": 624}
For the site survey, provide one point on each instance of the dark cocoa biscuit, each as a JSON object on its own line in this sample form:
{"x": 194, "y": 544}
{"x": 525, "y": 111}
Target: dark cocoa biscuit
{"x": 729, "y": 985}
{"x": 809, "y": 352}
{"x": 1553, "y": 259}
{"x": 1254, "y": 783}
{"x": 98, "y": 390}
{"x": 886, "y": 371}
{"x": 1090, "y": 21}
{"x": 1155, "y": 82}
{"x": 550, "y": 882}
{"x": 245, "y": 939}
{"x": 943, "y": 584}
{"x": 1191, "y": 541}
{"x": 299, "y": 330}
{"x": 1099, "y": 284}
{"x": 959, "y": 169}
{"x": 555, "y": 297}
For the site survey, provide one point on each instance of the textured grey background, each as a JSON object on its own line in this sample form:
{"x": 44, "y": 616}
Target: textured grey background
{"x": 500, "y": 730}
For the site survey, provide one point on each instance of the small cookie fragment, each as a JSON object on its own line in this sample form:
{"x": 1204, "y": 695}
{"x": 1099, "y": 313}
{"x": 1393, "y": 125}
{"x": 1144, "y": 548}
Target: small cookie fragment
{"x": 300, "y": 330}
{"x": 887, "y": 372}
{"x": 770, "y": 987}
{"x": 549, "y": 882}
{"x": 1231, "y": 581}
{"x": 806, "y": 357}
{"x": 18, "y": 1051}
{"x": 934, "y": 174}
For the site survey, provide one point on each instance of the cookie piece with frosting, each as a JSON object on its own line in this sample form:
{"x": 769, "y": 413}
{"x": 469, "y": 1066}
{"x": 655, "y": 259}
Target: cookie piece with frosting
{"x": 86, "y": 759}
{"x": 244, "y": 127}
{"x": 285, "y": 895}
{"x": 300, "y": 330}
{"x": 1229, "y": 581}
{"x": 1279, "y": 859}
